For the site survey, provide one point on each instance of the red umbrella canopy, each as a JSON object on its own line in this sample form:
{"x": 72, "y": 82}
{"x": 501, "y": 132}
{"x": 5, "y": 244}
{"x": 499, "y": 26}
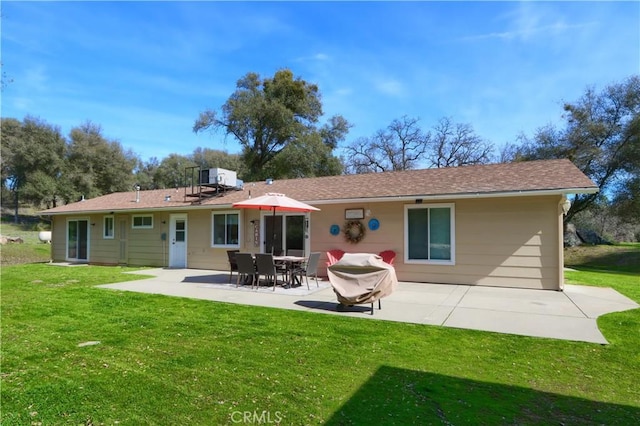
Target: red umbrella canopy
{"x": 275, "y": 202}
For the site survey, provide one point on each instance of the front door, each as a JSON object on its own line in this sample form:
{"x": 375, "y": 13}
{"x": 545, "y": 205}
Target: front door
{"x": 178, "y": 241}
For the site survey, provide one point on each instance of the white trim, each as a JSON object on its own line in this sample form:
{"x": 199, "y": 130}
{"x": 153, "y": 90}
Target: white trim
{"x": 452, "y": 224}
{"x": 104, "y": 227}
{"x": 133, "y": 221}
{"x": 226, "y": 212}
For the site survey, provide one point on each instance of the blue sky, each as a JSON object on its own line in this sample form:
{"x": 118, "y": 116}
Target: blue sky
{"x": 144, "y": 70}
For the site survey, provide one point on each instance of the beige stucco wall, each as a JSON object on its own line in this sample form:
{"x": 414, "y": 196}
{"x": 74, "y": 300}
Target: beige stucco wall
{"x": 509, "y": 242}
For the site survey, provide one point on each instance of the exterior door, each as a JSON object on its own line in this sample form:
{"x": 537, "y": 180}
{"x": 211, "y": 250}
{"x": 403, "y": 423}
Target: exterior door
{"x": 273, "y": 234}
{"x": 285, "y": 231}
{"x": 178, "y": 241}
{"x": 78, "y": 240}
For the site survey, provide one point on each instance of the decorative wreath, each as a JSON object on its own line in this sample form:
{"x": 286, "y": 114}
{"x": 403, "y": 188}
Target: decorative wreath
{"x": 353, "y": 231}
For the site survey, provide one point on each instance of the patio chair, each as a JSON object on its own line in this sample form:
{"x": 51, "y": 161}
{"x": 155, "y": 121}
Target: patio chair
{"x": 246, "y": 268}
{"x": 334, "y": 255}
{"x": 309, "y": 269}
{"x": 267, "y": 268}
{"x": 233, "y": 265}
{"x": 388, "y": 256}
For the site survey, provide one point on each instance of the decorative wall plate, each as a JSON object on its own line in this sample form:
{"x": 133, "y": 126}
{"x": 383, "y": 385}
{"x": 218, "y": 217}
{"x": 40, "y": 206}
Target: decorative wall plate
{"x": 335, "y": 229}
{"x": 374, "y": 224}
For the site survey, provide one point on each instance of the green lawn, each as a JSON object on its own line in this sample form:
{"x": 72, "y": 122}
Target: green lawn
{"x": 169, "y": 361}
{"x": 32, "y": 250}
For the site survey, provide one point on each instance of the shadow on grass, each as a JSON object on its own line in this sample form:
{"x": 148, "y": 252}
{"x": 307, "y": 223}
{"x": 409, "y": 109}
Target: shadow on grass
{"x": 400, "y": 396}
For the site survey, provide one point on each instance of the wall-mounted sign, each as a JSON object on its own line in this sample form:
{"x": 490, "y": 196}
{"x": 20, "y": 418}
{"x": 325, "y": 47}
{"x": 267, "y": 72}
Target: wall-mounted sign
{"x": 354, "y": 214}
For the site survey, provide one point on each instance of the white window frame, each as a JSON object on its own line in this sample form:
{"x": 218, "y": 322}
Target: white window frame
{"x": 133, "y": 221}
{"x": 105, "y": 228}
{"x": 452, "y": 219}
{"x": 226, "y": 213}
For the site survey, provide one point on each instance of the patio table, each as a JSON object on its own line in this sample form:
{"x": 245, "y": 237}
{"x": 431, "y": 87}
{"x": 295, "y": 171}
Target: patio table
{"x": 291, "y": 262}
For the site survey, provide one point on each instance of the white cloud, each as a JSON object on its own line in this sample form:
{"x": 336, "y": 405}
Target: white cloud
{"x": 530, "y": 21}
{"x": 390, "y": 86}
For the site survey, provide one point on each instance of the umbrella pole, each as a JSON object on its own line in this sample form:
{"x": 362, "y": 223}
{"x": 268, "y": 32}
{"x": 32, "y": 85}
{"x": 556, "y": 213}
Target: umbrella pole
{"x": 273, "y": 234}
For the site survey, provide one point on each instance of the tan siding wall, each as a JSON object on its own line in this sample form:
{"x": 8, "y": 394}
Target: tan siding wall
{"x": 388, "y": 237}
{"x": 102, "y": 251}
{"x": 499, "y": 242}
{"x": 58, "y": 238}
{"x": 145, "y": 246}
{"x": 200, "y": 254}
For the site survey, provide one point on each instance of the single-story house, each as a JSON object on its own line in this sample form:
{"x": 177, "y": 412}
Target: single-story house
{"x": 491, "y": 225}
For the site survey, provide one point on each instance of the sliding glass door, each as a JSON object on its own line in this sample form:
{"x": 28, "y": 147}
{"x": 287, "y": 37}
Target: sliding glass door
{"x": 78, "y": 240}
{"x": 283, "y": 232}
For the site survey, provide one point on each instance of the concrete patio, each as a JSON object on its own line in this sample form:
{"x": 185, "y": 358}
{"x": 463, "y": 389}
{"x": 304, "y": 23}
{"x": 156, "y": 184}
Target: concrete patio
{"x": 567, "y": 315}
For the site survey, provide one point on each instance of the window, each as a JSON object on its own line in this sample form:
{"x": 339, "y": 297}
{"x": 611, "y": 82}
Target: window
{"x": 430, "y": 233}
{"x": 226, "y": 232}
{"x": 108, "y": 228}
{"x": 142, "y": 221}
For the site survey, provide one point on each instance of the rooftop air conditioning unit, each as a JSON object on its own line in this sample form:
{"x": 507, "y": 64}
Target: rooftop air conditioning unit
{"x": 218, "y": 176}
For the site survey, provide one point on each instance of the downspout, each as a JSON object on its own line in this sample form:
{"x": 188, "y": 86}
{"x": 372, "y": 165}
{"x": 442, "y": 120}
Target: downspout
{"x": 563, "y": 208}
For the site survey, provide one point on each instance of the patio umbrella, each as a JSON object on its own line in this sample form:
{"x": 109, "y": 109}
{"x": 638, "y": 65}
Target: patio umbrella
{"x": 276, "y": 203}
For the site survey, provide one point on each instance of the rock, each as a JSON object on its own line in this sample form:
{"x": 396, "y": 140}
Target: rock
{"x": 575, "y": 237}
{"x": 571, "y": 238}
{"x": 7, "y": 240}
{"x": 591, "y": 237}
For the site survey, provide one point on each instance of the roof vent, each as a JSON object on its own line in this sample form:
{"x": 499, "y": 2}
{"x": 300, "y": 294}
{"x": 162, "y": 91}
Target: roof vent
{"x": 167, "y": 198}
{"x": 269, "y": 181}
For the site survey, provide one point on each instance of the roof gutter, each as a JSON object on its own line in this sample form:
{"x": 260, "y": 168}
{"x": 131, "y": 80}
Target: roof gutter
{"x": 451, "y": 196}
{"x": 138, "y": 210}
{"x": 458, "y": 196}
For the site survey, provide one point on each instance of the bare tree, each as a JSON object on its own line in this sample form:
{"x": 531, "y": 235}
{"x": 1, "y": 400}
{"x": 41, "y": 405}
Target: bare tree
{"x": 401, "y": 146}
{"x": 456, "y": 144}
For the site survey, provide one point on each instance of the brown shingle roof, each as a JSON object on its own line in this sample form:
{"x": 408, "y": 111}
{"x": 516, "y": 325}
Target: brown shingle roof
{"x": 525, "y": 177}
